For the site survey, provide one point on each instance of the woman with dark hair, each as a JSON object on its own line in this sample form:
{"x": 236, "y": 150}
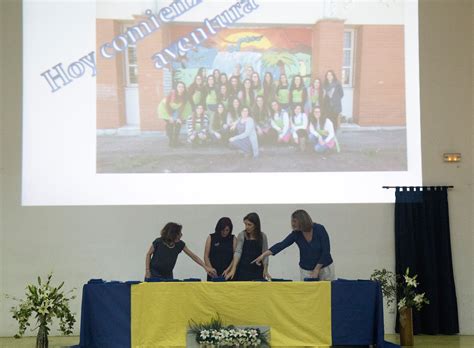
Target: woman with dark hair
{"x": 233, "y": 115}
{"x": 283, "y": 92}
{"x": 246, "y": 139}
{"x": 203, "y": 73}
{"x": 163, "y": 253}
{"x": 246, "y": 94}
{"x": 268, "y": 89}
{"x": 220, "y": 247}
{"x": 332, "y": 96}
{"x": 280, "y": 123}
{"x": 257, "y": 85}
{"x": 217, "y": 76}
{"x": 251, "y": 242}
{"x": 321, "y": 132}
{"x": 197, "y": 91}
{"x": 174, "y": 109}
{"x": 299, "y": 127}
{"x": 223, "y": 96}
{"x": 313, "y": 242}
{"x": 223, "y": 80}
{"x": 218, "y": 129}
{"x": 316, "y": 93}
{"x": 198, "y": 126}
{"x": 261, "y": 115}
{"x": 211, "y": 95}
{"x": 234, "y": 87}
{"x": 298, "y": 93}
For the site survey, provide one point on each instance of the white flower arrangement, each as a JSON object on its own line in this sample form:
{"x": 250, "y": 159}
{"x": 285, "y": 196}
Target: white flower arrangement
{"x": 393, "y": 284}
{"x": 215, "y": 333}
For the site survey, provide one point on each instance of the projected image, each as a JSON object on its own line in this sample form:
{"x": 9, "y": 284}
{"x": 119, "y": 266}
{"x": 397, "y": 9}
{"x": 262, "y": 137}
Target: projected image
{"x": 325, "y": 97}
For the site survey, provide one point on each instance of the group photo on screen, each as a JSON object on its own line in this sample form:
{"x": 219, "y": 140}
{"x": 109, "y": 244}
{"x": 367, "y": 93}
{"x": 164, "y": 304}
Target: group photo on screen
{"x": 326, "y": 97}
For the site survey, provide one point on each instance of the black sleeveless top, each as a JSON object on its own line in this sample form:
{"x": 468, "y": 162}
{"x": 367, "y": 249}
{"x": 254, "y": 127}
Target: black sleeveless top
{"x": 164, "y": 258}
{"x": 247, "y": 271}
{"x": 221, "y": 253}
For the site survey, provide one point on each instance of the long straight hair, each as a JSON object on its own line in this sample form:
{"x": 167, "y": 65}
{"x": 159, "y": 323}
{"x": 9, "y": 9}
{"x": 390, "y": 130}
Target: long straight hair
{"x": 255, "y": 219}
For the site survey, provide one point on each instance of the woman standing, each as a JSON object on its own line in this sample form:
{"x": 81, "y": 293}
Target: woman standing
{"x": 256, "y": 85}
{"x": 246, "y": 94}
{"x": 316, "y": 93}
{"x": 211, "y": 95}
{"x": 174, "y": 109}
{"x": 332, "y": 96}
{"x": 197, "y": 91}
{"x": 220, "y": 247}
{"x": 261, "y": 116}
{"x": 246, "y": 138}
{"x": 250, "y": 243}
{"x": 298, "y": 93}
{"x": 268, "y": 89}
{"x": 163, "y": 253}
{"x": 313, "y": 242}
{"x": 283, "y": 92}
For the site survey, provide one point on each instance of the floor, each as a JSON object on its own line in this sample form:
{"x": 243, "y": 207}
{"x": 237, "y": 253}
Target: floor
{"x": 420, "y": 341}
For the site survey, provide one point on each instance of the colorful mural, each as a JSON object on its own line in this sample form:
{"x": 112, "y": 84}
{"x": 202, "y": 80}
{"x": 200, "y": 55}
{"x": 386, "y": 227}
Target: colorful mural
{"x": 271, "y": 50}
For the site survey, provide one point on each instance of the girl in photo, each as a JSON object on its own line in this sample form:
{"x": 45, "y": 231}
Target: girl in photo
{"x": 163, "y": 253}
{"x": 316, "y": 93}
{"x": 280, "y": 123}
{"x": 198, "y": 125}
{"x": 251, "y": 242}
{"x": 234, "y": 87}
{"x": 321, "y": 132}
{"x": 233, "y": 115}
{"x": 247, "y": 95}
{"x": 261, "y": 115}
{"x": 268, "y": 89}
{"x": 283, "y": 92}
{"x": 257, "y": 85}
{"x": 223, "y": 80}
{"x": 218, "y": 129}
{"x": 197, "y": 91}
{"x": 299, "y": 127}
{"x": 217, "y": 76}
{"x": 246, "y": 139}
{"x": 298, "y": 93}
{"x": 223, "y": 96}
{"x": 173, "y": 110}
{"x": 332, "y": 96}
{"x": 211, "y": 95}
{"x": 220, "y": 248}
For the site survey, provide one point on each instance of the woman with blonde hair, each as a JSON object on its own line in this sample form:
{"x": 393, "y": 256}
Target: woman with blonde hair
{"x": 313, "y": 242}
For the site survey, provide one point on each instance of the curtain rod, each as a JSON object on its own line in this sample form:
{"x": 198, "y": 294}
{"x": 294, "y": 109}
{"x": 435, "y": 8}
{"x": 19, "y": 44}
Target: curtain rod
{"x": 393, "y": 187}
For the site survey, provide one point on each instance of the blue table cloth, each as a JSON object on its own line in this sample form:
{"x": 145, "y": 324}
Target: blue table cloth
{"x": 356, "y": 314}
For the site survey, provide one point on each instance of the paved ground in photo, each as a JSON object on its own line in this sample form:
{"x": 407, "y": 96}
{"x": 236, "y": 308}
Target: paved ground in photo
{"x": 382, "y": 149}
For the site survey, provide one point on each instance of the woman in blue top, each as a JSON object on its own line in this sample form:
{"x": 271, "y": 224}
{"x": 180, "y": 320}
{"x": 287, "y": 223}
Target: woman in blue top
{"x": 313, "y": 242}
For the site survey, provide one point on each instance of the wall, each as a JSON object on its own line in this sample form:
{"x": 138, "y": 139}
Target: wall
{"x": 79, "y": 243}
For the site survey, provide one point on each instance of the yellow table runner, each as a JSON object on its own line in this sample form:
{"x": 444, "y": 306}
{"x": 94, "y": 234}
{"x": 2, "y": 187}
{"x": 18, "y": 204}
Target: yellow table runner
{"x": 298, "y": 313}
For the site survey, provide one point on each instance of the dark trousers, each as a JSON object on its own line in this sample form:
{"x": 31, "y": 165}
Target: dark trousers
{"x": 172, "y": 131}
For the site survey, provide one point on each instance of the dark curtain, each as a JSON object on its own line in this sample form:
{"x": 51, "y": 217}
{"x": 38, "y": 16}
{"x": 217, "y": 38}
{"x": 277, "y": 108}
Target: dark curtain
{"x": 422, "y": 242}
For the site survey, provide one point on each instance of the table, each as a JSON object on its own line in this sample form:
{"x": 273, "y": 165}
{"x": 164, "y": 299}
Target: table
{"x": 356, "y": 309}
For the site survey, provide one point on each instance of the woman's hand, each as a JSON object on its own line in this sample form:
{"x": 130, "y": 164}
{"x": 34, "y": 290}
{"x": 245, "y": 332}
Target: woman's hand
{"x": 315, "y": 274}
{"x": 230, "y": 274}
{"x": 211, "y": 271}
{"x": 147, "y": 274}
{"x": 259, "y": 260}
{"x": 267, "y": 275}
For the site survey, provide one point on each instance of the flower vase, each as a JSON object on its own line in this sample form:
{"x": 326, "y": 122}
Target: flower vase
{"x": 42, "y": 337}
{"x": 406, "y": 327}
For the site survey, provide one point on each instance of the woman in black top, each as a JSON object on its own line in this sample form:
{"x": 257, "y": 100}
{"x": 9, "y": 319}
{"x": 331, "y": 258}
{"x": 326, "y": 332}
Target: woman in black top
{"x": 220, "y": 247}
{"x": 251, "y": 242}
{"x": 162, "y": 255}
